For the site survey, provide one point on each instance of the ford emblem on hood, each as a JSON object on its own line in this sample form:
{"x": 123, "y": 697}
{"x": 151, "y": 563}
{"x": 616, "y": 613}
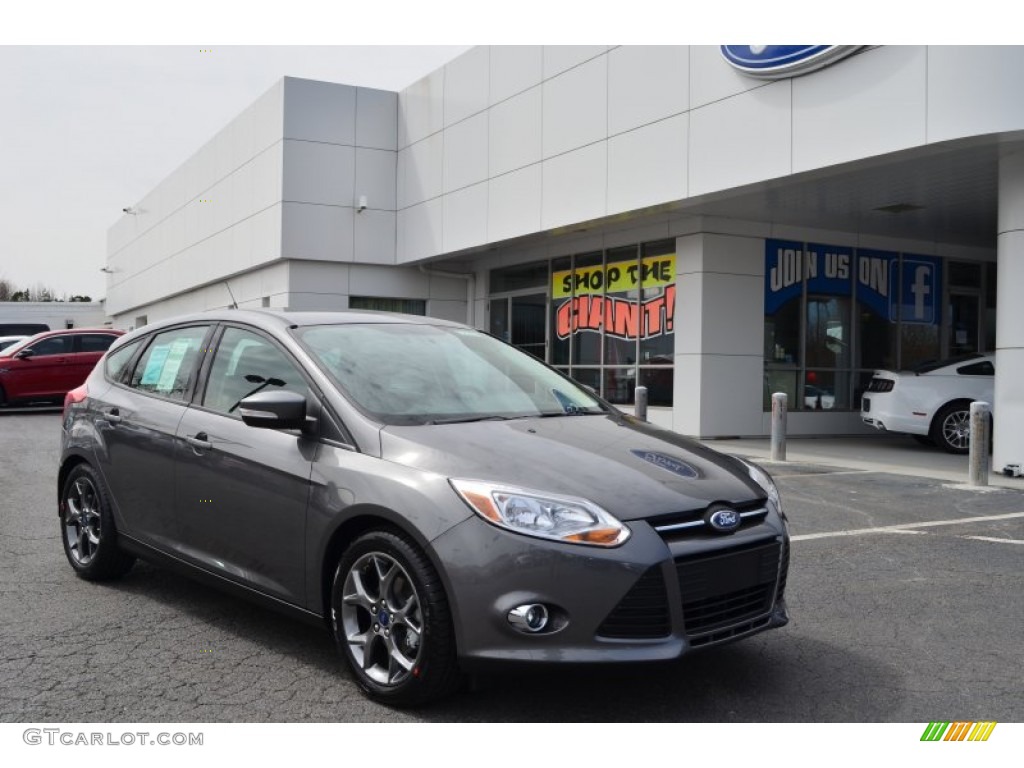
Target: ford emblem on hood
{"x": 666, "y": 462}
{"x": 777, "y": 61}
{"x": 723, "y": 519}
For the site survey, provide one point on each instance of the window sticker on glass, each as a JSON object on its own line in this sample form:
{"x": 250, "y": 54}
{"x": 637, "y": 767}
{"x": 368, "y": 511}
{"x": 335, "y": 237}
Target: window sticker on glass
{"x": 172, "y": 363}
{"x": 154, "y": 366}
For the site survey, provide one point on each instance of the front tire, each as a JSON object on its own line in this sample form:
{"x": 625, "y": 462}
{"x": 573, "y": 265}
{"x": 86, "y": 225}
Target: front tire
{"x": 391, "y": 621}
{"x": 87, "y": 527}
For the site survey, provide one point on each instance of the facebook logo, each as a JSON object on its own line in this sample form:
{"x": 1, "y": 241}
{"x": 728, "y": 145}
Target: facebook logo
{"x": 918, "y": 290}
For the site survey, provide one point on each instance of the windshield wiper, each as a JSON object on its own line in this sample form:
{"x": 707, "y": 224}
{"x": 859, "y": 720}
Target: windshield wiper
{"x": 576, "y": 412}
{"x": 467, "y": 419}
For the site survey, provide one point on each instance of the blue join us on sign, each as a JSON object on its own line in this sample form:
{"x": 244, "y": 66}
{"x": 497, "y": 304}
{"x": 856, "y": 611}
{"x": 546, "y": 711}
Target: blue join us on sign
{"x": 894, "y": 287}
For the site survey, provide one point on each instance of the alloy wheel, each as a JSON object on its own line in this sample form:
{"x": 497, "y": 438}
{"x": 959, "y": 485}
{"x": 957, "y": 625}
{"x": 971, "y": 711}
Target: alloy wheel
{"x": 82, "y": 526}
{"x": 382, "y": 618}
{"x": 956, "y": 429}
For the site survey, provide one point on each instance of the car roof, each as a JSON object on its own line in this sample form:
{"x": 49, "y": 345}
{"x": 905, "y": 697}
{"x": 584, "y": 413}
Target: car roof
{"x": 28, "y": 340}
{"x": 272, "y": 319}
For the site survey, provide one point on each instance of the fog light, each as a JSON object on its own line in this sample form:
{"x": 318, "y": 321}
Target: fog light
{"x": 529, "y": 618}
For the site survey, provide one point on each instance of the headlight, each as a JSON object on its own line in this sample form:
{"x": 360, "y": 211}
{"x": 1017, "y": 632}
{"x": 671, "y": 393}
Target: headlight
{"x": 764, "y": 480}
{"x": 535, "y": 513}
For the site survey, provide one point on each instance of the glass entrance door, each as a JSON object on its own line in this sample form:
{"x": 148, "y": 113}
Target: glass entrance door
{"x": 529, "y": 323}
{"x": 964, "y": 319}
{"x": 522, "y": 321}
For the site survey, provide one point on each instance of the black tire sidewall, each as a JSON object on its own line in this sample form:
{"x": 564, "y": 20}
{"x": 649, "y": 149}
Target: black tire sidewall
{"x": 109, "y": 561}
{"x": 437, "y": 669}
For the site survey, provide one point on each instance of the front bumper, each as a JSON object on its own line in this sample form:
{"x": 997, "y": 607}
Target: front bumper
{"x": 654, "y": 598}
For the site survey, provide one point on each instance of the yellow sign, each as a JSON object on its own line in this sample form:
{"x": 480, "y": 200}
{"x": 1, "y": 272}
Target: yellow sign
{"x": 619, "y": 276}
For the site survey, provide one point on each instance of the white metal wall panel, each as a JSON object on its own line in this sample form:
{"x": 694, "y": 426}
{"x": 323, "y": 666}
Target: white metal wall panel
{"x": 646, "y": 83}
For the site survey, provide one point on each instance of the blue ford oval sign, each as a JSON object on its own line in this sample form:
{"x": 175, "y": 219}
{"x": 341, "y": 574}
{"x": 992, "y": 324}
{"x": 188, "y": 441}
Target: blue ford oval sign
{"x": 777, "y": 61}
{"x": 723, "y": 519}
{"x": 666, "y": 462}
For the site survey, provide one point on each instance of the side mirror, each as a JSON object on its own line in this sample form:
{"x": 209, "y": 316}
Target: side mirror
{"x": 24, "y": 354}
{"x": 274, "y": 410}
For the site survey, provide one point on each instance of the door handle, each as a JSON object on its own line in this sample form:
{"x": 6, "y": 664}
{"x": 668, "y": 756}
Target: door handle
{"x": 199, "y": 440}
{"x": 113, "y": 416}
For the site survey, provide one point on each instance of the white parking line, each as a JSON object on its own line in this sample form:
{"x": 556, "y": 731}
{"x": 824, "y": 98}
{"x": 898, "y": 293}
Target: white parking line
{"x": 906, "y": 527}
{"x": 993, "y": 538}
{"x": 826, "y": 473}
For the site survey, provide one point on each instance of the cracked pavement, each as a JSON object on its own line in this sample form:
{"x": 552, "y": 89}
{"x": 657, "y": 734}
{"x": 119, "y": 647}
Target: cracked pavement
{"x": 886, "y": 627}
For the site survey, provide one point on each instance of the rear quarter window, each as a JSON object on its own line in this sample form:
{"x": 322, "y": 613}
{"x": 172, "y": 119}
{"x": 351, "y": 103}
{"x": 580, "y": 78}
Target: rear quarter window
{"x": 117, "y": 361}
{"x": 95, "y": 342}
{"x": 984, "y": 368}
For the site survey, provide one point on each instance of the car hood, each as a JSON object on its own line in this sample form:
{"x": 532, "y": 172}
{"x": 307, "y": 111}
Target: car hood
{"x": 630, "y": 468}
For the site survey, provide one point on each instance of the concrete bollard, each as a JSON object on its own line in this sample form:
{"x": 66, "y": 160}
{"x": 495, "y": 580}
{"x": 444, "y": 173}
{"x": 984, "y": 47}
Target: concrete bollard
{"x": 779, "y": 408}
{"x": 640, "y": 403}
{"x": 978, "y": 464}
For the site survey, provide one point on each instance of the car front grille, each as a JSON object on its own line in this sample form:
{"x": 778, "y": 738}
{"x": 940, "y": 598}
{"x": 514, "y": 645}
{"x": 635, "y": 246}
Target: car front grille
{"x": 729, "y": 633}
{"x": 728, "y": 589}
{"x": 692, "y": 523}
{"x": 643, "y": 612}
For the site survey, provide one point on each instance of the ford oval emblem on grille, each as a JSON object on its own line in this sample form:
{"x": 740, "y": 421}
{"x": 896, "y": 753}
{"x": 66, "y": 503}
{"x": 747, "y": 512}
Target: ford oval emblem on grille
{"x": 723, "y": 519}
{"x": 666, "y": 462}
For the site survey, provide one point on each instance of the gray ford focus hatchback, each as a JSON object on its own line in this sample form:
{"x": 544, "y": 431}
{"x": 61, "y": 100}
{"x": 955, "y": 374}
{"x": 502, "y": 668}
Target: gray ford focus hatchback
{"x": 440, "y": 500}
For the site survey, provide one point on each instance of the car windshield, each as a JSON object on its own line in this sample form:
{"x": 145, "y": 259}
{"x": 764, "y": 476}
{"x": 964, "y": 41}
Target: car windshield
{"x": 407, "y": 374}
{"x": 16, "y": 345}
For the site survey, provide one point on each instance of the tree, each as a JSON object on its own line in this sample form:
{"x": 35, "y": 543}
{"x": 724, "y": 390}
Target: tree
{"x": 38, "y": 292}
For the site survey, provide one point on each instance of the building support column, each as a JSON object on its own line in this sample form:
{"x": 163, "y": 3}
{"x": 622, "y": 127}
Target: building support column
{"x": 1008, "y": 408}
{"x": 719, "y": 331}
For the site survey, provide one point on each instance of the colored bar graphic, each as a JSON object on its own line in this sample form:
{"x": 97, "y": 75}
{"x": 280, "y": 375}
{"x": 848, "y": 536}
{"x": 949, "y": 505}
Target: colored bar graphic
{"x": 958, "y": 731}
{"x": 986, "y": 732}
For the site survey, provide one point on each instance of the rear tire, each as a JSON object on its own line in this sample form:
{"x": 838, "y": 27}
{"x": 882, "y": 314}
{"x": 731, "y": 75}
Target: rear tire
{"x": 87, "y": 527}
{"x": 391, "y": 621}
{"x": 951, "y": 429}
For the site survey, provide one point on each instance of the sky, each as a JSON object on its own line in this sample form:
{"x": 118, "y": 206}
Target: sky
{"x": 89, "y": 130}
{"x": 100, "y": 101}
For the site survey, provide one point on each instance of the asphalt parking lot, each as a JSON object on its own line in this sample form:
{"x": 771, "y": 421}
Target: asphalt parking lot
{"x": 918, "y": 622}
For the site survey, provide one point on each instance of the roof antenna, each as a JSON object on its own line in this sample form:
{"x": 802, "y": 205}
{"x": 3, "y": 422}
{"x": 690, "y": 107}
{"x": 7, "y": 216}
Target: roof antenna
{"x": 234, "y": 304}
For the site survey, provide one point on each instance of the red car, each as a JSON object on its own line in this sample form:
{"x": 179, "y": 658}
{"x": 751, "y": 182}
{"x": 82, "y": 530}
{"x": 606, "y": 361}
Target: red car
{"x": 48, "y": 365}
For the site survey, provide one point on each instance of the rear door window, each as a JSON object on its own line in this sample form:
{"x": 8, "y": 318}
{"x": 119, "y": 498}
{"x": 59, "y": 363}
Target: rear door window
{"x": 168, "y": 366}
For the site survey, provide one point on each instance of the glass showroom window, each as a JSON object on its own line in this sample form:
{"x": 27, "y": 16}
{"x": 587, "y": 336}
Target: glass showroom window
{"x": 608, "y": 319}
{"x": 378, "y": 304}
{"x": 834, "y": 314}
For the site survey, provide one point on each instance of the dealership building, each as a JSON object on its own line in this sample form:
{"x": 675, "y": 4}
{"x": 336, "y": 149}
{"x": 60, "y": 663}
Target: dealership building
{"x": 715, "y": 223}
